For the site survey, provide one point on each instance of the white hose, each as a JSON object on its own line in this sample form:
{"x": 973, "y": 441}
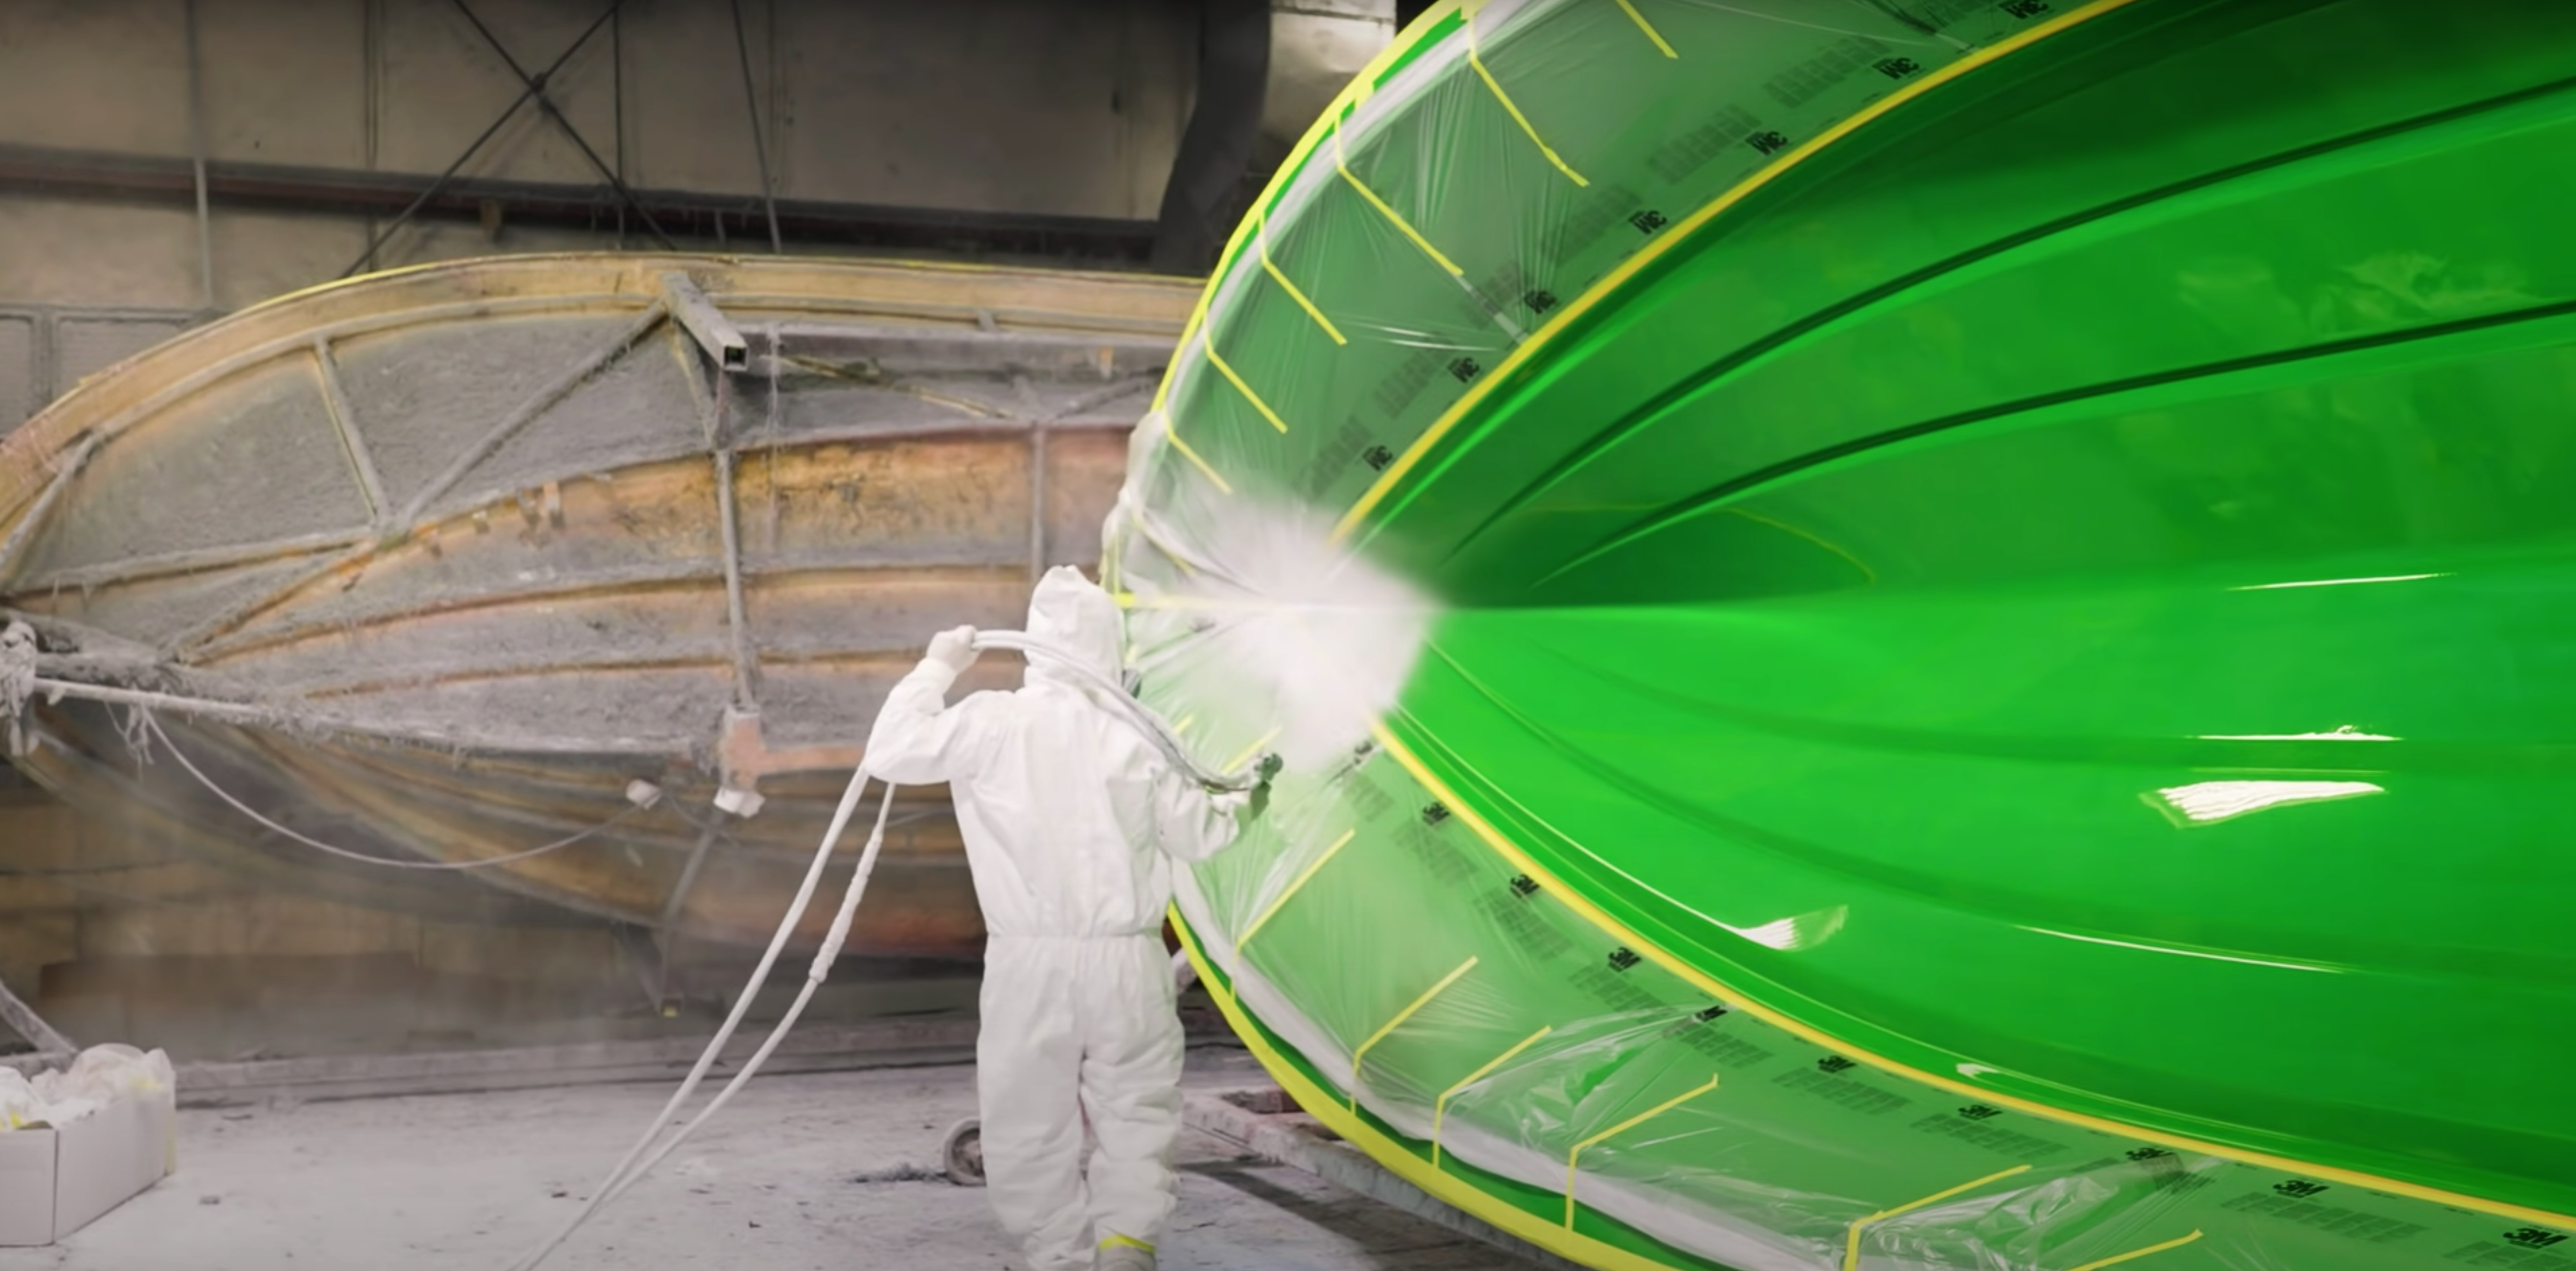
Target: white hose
{"x": 814, "y": 976}
{"x": 1141, "y": 715}
{"x": 627, "y": 1172}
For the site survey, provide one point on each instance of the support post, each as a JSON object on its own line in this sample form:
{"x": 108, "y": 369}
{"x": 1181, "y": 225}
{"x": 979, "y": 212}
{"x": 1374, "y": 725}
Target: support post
{"x": 652, "y": 969}
{"x": 725, "y": 346}
{"x": 677, "y": 904}
{"x": 1037, "y": 500}
{"x": 197, "y": 139}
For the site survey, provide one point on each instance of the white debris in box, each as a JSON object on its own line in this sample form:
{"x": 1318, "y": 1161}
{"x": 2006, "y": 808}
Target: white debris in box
{"x": 100, "y": 1076}
{"x": 77, "y": 1143}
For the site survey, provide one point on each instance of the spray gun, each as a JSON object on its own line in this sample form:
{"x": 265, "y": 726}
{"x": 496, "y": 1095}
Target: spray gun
{"x": 644, "y": 1156}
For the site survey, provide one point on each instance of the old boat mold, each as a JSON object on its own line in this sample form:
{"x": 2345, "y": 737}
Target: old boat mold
{"x": 462, "y": 528}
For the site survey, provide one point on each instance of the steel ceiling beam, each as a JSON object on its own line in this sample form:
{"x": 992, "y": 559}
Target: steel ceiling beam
{"x": 61, "y": 173}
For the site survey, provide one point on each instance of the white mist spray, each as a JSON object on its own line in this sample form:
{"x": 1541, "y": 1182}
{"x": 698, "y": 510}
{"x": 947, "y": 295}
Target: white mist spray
{"x": 1289, "y": 631}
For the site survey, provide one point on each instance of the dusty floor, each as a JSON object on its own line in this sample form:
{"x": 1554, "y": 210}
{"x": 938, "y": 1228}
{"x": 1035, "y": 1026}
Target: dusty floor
{"x": 799, "y": 1172}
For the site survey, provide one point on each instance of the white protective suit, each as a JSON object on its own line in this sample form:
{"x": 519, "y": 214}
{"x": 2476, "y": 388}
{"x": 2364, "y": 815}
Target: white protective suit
{"x": 1069, "y": 816}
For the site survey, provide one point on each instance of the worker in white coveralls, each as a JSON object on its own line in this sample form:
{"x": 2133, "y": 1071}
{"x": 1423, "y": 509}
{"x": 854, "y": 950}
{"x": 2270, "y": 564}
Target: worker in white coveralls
{"x": 1071, "y": 817}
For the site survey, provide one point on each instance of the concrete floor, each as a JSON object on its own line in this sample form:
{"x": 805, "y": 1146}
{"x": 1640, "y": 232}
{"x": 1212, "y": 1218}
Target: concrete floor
{"x": 824, "y": 1172}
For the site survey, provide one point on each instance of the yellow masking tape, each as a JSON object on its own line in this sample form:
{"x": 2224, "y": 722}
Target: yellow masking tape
{"x": 1245, "y": 389}
{"x": 1398, "y": 1022}
{"x": 2134, "y": 1254}
{"x": 1358, "y": 91}
{"x": 1708, "y": 984}
{"x": 1648, "y": 28}
{"x": 1255, "y": 748}
{"x": 1172, "y": 434}
{"x": 1476, "y": 61}
{"x": 1294, "y": 885}
{"x": 1851, "y": 1239}
{"x": 1341, "y": 164}
{"x": 1676, "y": 234}
{"x": 1619, "y": 1129}
{"x": 1261, "y": 239}
{"x": 1440, "y": 1107}
{"x": 1450, "y": 1189}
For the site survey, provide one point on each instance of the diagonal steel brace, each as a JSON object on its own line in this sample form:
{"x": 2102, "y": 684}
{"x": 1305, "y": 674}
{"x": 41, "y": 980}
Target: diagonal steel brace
{"x": 368, "y": 257}
{"x": 536, "y": 88}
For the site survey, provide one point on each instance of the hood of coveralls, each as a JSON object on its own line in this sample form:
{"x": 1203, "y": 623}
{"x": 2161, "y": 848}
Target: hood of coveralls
{"x": 1071, "y": 613}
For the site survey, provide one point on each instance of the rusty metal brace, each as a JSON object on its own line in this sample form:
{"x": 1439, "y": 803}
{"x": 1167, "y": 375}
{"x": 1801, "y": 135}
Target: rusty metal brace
{"x": 22, "y": 1017}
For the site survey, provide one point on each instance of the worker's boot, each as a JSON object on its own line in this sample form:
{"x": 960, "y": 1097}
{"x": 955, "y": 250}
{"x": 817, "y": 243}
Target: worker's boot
{"x": 1119, "y": 1253}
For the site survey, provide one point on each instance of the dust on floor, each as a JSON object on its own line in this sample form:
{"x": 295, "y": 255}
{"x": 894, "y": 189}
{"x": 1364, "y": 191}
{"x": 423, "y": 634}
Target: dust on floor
{"x": 833, "y": 1172}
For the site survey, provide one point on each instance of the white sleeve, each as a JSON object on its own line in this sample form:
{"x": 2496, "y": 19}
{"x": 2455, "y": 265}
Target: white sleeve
{"x": 1189, "y": 822}
{"x": 919, "y": 739}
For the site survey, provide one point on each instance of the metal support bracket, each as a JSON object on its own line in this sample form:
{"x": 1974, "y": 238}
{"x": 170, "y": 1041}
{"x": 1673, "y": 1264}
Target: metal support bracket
{"x": 713, "y": 331}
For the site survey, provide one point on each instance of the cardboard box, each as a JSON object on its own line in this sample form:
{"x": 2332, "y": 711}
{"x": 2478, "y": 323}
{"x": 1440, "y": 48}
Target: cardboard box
{"x": 54, "y": 1182}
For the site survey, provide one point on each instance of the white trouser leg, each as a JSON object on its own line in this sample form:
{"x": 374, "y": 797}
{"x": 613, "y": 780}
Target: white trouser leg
{"x": 1028, "y": 1073}
{"x": 1131, "y": 1085}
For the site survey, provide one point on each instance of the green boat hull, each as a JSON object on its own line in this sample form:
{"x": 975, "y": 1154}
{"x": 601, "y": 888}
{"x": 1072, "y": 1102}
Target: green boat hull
{"x": 2006, "y": 635}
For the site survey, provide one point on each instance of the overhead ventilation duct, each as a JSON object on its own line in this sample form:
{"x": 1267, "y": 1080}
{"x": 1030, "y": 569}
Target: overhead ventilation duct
{"x": 1266, "y": 68}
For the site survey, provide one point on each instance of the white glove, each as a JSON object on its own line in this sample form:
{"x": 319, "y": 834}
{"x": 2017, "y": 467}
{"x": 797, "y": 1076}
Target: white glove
{"x": 954, "y": 649}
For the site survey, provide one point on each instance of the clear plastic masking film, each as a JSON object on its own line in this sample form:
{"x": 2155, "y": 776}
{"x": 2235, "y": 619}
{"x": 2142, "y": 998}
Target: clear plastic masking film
{"x": 1964, "y": 611}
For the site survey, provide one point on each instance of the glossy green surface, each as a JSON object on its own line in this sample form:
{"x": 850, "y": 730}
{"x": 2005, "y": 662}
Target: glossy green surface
{"x": 2033, "y": 546}
{"x": 2115, "y": 428}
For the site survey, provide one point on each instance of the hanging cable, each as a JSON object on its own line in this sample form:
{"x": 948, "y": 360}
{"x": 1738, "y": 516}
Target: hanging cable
{"x": 153, "y": 725}
{"x": 751, "y": 103}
